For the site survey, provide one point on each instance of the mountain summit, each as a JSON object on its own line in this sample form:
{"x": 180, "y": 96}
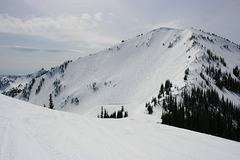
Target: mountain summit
{"x": 189, "y": 78}
{"x": 131, "y": 72}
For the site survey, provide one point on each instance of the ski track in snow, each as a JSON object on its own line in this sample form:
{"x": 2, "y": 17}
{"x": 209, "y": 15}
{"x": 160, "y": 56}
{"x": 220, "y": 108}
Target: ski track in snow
{"x": 4, "y": 135}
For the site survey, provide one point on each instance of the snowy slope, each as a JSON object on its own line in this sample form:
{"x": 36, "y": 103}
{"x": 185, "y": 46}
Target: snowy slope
{"x": 131, "y": 73}
{"x": 32, "y": 132}
{"x": 123, "y": 74}
{"x": 18, "y": 81}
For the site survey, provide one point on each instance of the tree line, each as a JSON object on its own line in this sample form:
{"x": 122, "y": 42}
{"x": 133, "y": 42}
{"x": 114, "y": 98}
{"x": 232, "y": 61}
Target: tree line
{"x": 198, "y": 110}
{"x": 116, "y": 114}
{"x": 203, "y": 111}
{"x": 223, "y": 79}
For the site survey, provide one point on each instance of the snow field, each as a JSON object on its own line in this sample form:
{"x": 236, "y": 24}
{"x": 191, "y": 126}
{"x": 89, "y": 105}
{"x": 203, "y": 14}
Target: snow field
{"x": 32, "y": 132}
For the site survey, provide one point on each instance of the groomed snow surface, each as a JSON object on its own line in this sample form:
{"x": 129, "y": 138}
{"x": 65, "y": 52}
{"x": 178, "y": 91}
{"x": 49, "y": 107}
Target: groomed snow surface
{"x": 30, "y": 132}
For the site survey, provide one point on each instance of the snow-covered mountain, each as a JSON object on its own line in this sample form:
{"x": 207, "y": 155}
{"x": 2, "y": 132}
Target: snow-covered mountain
{"x": 131, "y": 72}
{"x": 13, "y": 84}
{"x": 28, "y": 131}
{"x": 125, "y": 77}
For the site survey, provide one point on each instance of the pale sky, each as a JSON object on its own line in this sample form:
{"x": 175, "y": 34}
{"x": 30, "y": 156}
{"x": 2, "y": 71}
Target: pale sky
{"x": 37, "y": 34}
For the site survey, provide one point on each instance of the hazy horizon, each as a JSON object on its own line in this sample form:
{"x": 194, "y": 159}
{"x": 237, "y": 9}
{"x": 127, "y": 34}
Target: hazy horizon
{"x": 43, "y": 34}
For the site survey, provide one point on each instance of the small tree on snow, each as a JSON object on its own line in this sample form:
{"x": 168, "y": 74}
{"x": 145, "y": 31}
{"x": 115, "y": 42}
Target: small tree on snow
{"x": 51, "y": 106}
{"x": 105, "y": 114}
{"x": 149, "y": 108}
{"x": 101, "y": 112}
{"x": 122, "y": 109}
{"x": 125, "y": 114}
{"x": 119, "y": 114}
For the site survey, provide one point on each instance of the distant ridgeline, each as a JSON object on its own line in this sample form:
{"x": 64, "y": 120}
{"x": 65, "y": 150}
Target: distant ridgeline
{"x": 198, "y": 110}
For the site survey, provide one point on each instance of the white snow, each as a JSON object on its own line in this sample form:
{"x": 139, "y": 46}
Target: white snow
{"x": 32, "y": 132}
{"x": 133, "y": 71}
{"x": 128, "y": 74}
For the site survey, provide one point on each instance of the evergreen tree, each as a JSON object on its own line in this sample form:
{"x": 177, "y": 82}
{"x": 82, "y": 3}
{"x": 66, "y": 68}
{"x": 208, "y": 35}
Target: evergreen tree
{"x": 125, "y": 114}
{"x": 51, "y": 106}
{"x": 236, "y": 71}
{"x": 101, "y": 112}
{"x": 150, "y": 109}
{"x": 154, "y": 101}
{"x": 119, "y": 114}
{"x": 122, "y": 109}
{"x": 105, "y": 114}
{"x": 113, "y": 115}
{"x": 161, "y": 91}
{"x": 168, "y": 86}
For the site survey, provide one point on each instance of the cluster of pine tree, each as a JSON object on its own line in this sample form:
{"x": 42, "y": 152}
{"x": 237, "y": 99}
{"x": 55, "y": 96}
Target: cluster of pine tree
{"x": 58, "y": 87}
{"x": 186, "y": 74}
{"x": 212, "y": 57}
{"x": 40, "y": 86}
{"x": 223, "y": 79}
{"x": 203, "y": 111}
{"x": 164, "y": 90}
{"x": 117, "y": 114}
{"x": 61, "y": 68}
{"x": 236, "y": 72}
{"x": 75, "y": 101}
{"x": 27, "y": 89}
{"x": 12, "y": 92}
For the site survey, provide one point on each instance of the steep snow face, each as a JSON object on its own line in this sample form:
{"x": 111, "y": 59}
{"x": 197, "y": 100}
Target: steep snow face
{"x": 32, "y": 132}
{"x": 131, "y": 73}
{"x": 215, "y": 52}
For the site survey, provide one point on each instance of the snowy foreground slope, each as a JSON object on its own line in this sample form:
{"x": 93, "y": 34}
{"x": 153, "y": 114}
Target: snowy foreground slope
{"x": 32, "y": 132}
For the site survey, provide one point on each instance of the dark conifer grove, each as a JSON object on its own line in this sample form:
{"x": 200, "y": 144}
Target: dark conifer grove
{"x": 197, "y": 109}
{"x": 116, "y": 114}
{"x": 203, "y": 111}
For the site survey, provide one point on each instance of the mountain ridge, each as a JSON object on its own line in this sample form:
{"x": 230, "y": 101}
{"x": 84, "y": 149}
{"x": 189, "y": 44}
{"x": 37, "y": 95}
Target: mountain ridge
{"x": 131, "y": 72}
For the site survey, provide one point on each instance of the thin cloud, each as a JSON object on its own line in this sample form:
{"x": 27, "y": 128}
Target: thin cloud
{"x": 170, "y": 24}
{"x": 98, "y": 16}
{"x": 34, "y": 49}
{"x": 60, "y": 28}
{"x": 86, "y": 17}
